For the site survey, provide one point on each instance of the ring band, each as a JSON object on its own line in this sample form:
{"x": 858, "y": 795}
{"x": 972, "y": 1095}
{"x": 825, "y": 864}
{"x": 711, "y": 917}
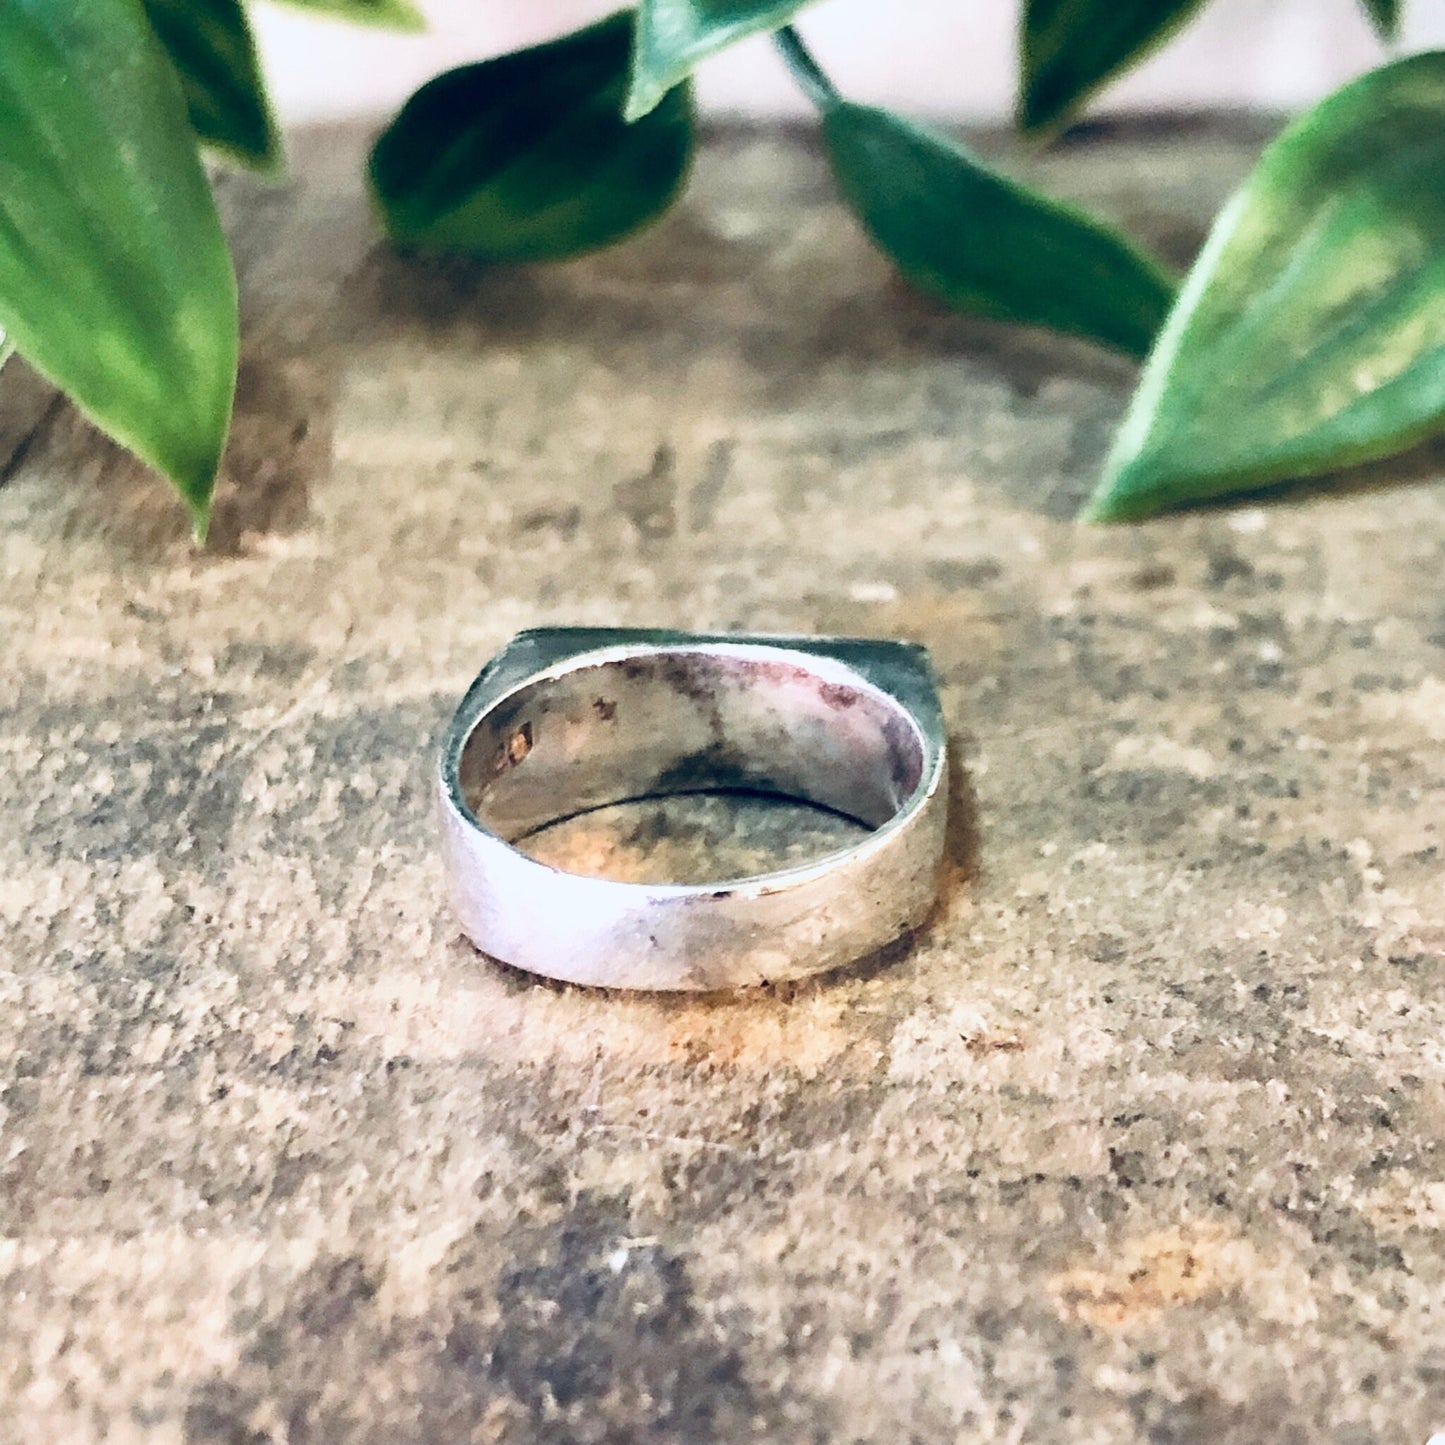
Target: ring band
{"x": 565, "y": 720}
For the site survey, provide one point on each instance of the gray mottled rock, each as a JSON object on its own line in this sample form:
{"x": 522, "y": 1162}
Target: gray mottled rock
{"x": 1139, "y": 1141}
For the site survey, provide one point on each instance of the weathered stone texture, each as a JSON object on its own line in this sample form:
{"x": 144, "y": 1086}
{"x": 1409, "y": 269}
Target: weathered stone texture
{"x": 1140, "y": 1141}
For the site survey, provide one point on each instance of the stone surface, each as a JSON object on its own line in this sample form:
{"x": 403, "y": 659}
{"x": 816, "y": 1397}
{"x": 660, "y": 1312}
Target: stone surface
{"x": 1139, "y": 1141}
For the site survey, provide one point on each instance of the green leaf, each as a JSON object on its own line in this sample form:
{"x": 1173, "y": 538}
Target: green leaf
{"x": 527, "y": 158}
{"x": 1385, "y": 16}
{"x": 1311, "y": 333}
{"x": 1072, "y": 48}
{"x": 675, "y": 36}
{"x": 115, "y": 282}
{"x": 210, "y": 45}
{"x": 981, "y": 242}
{"x": 383, "y": 14}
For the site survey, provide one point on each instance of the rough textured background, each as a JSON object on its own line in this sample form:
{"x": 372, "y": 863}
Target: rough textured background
{"x": 1139, "y": 1142}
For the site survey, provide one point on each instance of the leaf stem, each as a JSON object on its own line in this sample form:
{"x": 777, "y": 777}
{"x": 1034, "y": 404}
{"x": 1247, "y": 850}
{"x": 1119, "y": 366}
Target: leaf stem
{"x": 812, "y": 80}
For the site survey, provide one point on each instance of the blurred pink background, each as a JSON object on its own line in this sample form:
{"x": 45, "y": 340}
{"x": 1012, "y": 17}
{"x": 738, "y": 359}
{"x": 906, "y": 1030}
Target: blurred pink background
{"x": 952, "y": 58}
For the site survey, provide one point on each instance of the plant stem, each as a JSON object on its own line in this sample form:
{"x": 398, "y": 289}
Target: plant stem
{"x": 806, "y": 71}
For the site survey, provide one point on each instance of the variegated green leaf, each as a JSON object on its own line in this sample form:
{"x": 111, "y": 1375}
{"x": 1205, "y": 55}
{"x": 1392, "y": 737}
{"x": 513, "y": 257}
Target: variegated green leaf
{"x": 675, "y": 36}
{"x": 1311, "y": 333}
{"x": 1385, "y": 16}
{"x": 115, "y": 281}
{"x": 1072, "y": 48}
{"x": 982, "y": 242}
{"x": 527, "y": 157}
{"x": 383, "y": 14}
{"x": 210, "y": 44}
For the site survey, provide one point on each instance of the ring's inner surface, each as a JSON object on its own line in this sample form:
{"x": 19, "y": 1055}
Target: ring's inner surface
{"x": 681, "y": 721}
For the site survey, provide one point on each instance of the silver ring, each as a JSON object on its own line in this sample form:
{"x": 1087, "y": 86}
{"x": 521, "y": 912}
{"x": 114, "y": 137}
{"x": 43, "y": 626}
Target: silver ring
{"x": 565, "y": 720}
